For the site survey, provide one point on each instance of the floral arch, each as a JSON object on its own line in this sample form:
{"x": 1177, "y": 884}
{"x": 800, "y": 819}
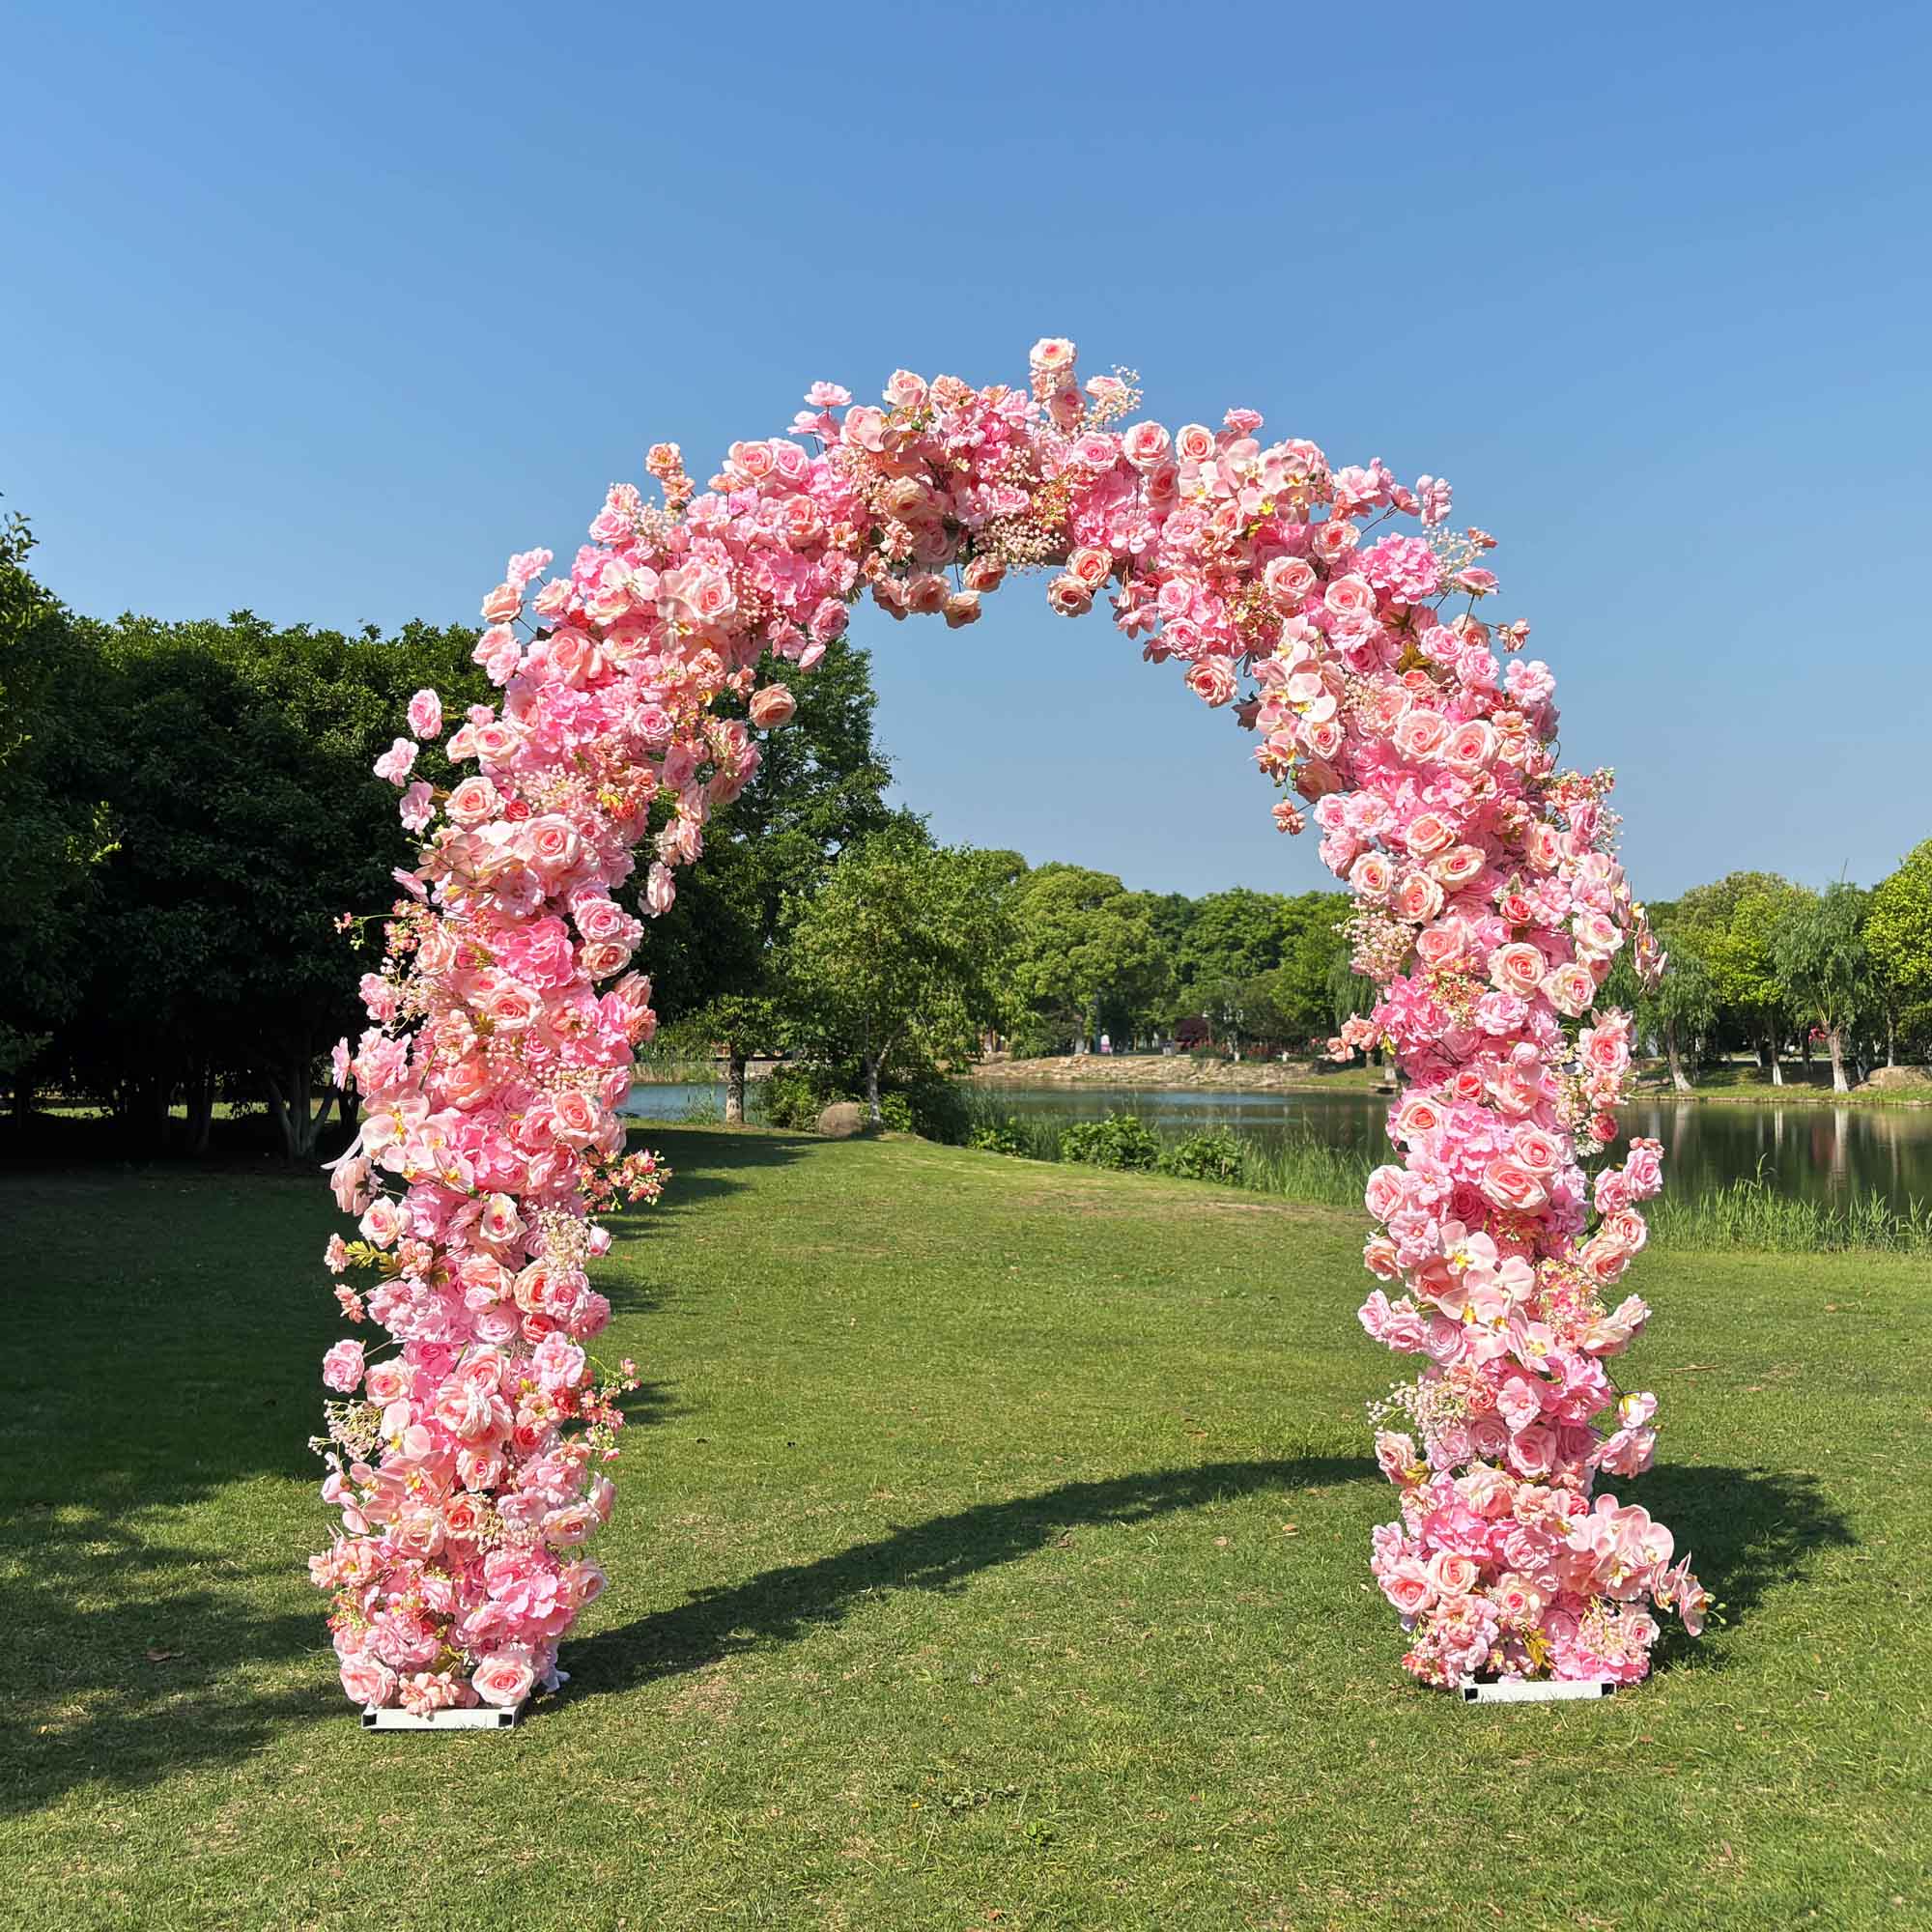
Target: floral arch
{"x": 466, "y": 1463}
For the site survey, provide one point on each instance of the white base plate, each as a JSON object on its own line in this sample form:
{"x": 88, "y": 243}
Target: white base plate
{"x": 483, "y": 1718}
{"x": 1549, "y": 1692}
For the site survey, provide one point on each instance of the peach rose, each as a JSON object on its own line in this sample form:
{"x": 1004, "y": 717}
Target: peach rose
{"x": 772, "y": 706}
{"x": 1516, "y": 968}
{"x": 1512, "y": 1186}
{"x": 504, "y": 1680}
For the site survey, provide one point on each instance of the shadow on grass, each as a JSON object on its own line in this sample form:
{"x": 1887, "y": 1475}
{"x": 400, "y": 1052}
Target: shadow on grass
{"x": 122, "y": 1673}
{"x": 1746, "y": 1530}
{"x": 707, "y": 1162}
{"x": 777, "y": 1606}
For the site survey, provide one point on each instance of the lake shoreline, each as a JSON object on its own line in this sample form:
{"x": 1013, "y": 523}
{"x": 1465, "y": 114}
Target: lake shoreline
{"x": 1175, "y": 1073}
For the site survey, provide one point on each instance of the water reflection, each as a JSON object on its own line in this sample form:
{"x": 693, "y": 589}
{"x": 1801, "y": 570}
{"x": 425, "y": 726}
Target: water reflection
{"x": 1819, "y": 1152}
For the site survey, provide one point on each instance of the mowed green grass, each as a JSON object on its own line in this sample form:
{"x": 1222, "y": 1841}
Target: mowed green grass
{"x": 989, "y": 1555}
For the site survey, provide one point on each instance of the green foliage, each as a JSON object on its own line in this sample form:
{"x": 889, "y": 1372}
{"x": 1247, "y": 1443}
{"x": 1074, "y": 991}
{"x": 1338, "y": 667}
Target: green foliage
{"x": 1216, "y": 1156}
{"x": 1818, "y": 951}
{"x": 795, "y": 1095}
{"x": 1086, "y": 954}
{"x": 233, "y": 761}
{"x": 1898, "y": 938}
{"x": 819, "y": 786}
{"x": 1122, "y": 1141}
{"x": 895, "y": 961}
{"x": 54, "y": 829}
{"x": 997, "y": 1137}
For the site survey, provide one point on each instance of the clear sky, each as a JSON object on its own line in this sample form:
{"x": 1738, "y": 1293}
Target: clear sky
{"x": 323, "y": 310}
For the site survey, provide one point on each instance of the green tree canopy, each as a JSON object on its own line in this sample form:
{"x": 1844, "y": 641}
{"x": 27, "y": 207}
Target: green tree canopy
{"x": 1818, "y": 950}
{"x": 895, "y": 958}
{"x": 235, "y": 760}
{"x": 54, "y": 829}
{"x": 1082, "y": 943}
{"x": 1898, "y": 937}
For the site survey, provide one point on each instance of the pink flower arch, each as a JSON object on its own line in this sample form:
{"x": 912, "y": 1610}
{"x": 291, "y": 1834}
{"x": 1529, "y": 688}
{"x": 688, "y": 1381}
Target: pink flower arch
{"x": 465, "y": 1457}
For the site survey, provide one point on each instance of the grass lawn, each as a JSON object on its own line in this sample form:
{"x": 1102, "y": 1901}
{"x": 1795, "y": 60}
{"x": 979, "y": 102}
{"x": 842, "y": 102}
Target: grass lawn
{"x": 989, "y": 1557}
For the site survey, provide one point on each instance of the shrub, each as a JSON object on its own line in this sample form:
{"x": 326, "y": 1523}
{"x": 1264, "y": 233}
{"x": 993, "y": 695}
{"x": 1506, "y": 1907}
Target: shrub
{"x": 794, "y": 1096}
{"x": 1122, "y": 1141}
{"x": 997, "y": 1137}
{"x": 1211, "y": 1156}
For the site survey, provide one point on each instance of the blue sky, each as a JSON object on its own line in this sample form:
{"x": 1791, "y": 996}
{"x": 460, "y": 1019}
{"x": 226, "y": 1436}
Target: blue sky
{"x": 323, "y": 311}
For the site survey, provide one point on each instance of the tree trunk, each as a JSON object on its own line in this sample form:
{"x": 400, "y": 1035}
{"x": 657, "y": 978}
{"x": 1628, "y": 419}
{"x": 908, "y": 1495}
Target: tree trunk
{"x": 290, "y": 1110}
{"x": 1772, "y": 1064}
{"x": 734, "y": 1089}
{"x": 1676, "y": 1057}
{"x": 1891, "y": 1040}
{"x": 872, "y": 1085}
{"x": 200, "y": 1108}
{"x": 1835, "y": 1039}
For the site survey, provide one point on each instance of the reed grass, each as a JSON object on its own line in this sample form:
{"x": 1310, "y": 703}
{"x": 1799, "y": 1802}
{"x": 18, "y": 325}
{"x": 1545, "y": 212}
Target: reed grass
{"x": 1749, "y": 1213}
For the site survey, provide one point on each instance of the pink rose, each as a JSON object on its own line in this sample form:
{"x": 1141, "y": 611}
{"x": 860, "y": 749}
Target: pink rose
{"x": 1288, "y": 580}
{"x": 473, "y": 801}
{"x": 1512, "y": 1186}
{"x": 1428, "y": 833}
{"x": 1194, "y": 443}
{"x": 504, "y": 1680}
{"x": 1145, "y": 444}
{"x": 341, "y": 1367}
{"x": 1516, "y": 968}
{"x": 395, "y": 763}
{"x": 1470, "y": 748}
{"x": 368, "y": 1682}
{"x": 384, "y": 1382}
{"x": 1419, "y": 735}
{"x": 1052, "y": 356}
{"x": 1386, "y": 1192}
{"x": 1408, "y": 1588}
{"x": 1417, "y": 898}
{"x": 503, "y": 604}
{"x": 417, "y": 807}
{"x": 1570, "y": 988}
{"x": 1370, "y": 875}
{"x": 1070, "y": 597}
{"x": 577, "y": 1119}
{"x": 1452, "y": 1572}
{"x": 426, "y": 714}
{"x": 1352, "y": 602}
{"x": 382, "y": 1222}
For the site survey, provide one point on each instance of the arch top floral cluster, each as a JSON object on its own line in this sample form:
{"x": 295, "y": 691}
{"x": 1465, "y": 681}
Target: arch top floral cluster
{"x": 465, "y": 1457}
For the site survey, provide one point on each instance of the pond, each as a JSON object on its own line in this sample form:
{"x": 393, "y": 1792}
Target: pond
{"x": 1819, "y": 1152}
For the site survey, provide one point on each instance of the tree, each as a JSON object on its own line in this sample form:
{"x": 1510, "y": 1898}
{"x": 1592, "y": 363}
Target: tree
{"x": 1731, "y": 922}
{"x": 53, "y": 834}
{"x": 235, "y": 760}
{"x": 897, "y": 958}
{"x": 820, "y": 784}
{"x": 1898, "y": 937}
{"x": 1234, "y": 936}
{"x": 1818, "y": 948}
{"x": 1683, "y": 1003}
{"x": 1082, "y": 941}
